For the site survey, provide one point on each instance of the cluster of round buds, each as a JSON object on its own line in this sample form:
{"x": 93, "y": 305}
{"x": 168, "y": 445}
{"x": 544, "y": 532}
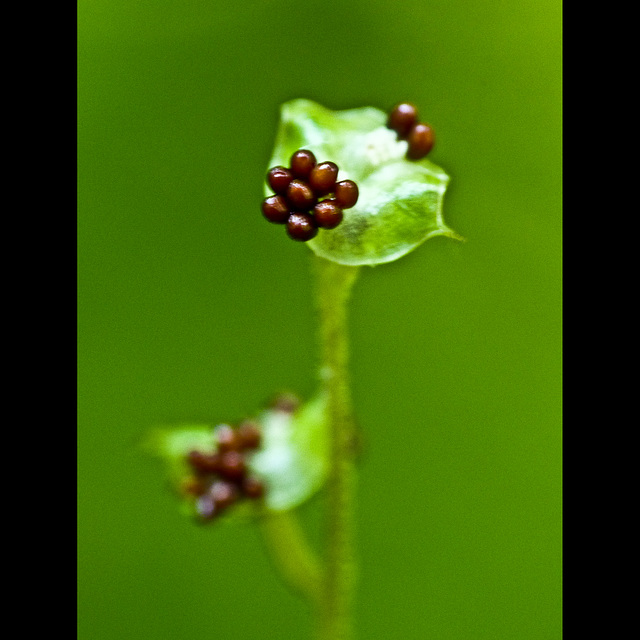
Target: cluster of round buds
{"x": 221, "y": 479}
{"x": 307, "y": 196}
{"x": 403, "y": 119}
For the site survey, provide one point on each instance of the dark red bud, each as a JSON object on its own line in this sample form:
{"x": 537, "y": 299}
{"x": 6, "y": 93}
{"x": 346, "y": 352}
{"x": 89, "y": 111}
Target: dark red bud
{"x": 346, "y": 194}
{"x": 300, "y": 196}
{"x": 286, "y": 402}
{"x": 323, "y": 177}
{"x": 275, "y": 209}
{"x": 401, "y": 118}
{"x": 249, "y": 436}
{"x": 226, "y": 438}
{"x": 204, "y": 462}
{"x": 301, "y": 163}
{"x": 194, "y": 486}
{"x": 327, "y": 214}
{"x": 252, "y": 487}
{"x": 232, "y": 465}
{"x": 421, "y": 139}
{"x": 224, "y": 494}
{"x": 278, "y": 179}
{"x": 302, "y": 227}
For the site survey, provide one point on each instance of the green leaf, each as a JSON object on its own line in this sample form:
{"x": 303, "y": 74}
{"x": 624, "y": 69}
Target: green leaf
{"x": 400, "y": 202}
{"x": 171, "y": 444}
{"x": 294, "y": 458}
{"x": 292, "y": 461}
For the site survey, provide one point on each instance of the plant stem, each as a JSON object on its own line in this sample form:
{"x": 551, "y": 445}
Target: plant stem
{"x": 334, "y": 284}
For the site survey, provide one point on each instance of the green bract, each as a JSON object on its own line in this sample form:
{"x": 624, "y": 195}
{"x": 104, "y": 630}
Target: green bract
{"x": 400, "y": 203}
{"x": 172, "y": 444}
{"x": 292, "y": 461}
{"x": 294, "y": 457}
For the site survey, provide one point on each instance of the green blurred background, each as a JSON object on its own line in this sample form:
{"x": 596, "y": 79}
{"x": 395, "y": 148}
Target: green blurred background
{"x": 191, "y": 307}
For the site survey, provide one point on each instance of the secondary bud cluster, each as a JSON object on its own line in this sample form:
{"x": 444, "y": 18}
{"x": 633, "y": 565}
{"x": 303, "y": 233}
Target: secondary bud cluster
{"x": 307, "y": 196}
{"x": 221, "y": 479}
{"x": 403, "y": 119}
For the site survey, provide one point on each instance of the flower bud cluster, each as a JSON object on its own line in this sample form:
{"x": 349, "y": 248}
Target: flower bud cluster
{"x": 222, "y": 478}
{"x": 307, "y": 196}
{"x": 403, "y": 119}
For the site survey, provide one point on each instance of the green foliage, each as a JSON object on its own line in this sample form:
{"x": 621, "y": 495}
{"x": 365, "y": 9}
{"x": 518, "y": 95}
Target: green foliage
{"x": 172, "y": 444}
{"x": 400, "y": 206}
{"x": 400, "y": 203}
{"x": 292, "y": 460}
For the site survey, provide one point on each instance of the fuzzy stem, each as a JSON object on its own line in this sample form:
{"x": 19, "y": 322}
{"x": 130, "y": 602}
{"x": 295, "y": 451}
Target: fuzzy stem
{"x": 334, "y": 285}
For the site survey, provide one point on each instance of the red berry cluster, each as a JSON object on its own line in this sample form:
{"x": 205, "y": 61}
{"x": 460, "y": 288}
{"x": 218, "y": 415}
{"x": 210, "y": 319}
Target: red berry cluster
{"x": 221, "y": 479}
{"x": 403, "y": 119}
{"x": 307, "y": 196}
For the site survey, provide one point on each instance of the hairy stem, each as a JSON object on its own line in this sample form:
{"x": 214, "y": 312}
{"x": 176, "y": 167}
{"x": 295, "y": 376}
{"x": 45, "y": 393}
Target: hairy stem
{"x": 334, "y": 285}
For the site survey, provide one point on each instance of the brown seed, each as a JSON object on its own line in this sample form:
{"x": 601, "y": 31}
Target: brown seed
{"x": 226, "y": 438}
{"x": 285, "y": 402}
{"x": 224, "y": 494}
{"x": 232, "y": 465}
{"x": 327, "y": 214}
{"x": 275, "y": 209}
{"x": 193, "y": 485}
{"x": 421, "y": 139}
{"x": 248, "y": 435}
{"x": 300, "y": 196}
{"x": 322, "y": 178}
{"x": 401, "y": 118}
{"x": 252, "y": 487}
{"x": 204, "y": 462}
{"x": 279, "y": 178}
{"x": 301, "y": 226}
{"x": 301, "y": 163}
{"x": 346, "y": 194}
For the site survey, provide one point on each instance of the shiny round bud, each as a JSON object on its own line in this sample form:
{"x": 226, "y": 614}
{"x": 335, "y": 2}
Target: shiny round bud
{"x": 275, "y": 209}
{"x": 193, "y": 486}
{"x": 224, "y": 494}
{"x": 226, "y": 438}
{"x": 346, "y": 194}
{"x": 204, "y": 462}
{"x": 301, "y": 226}
{"x": 323, "y": 177}
{"x": 248, "y": 435}
{"x": 327, "y": 214}
{"x": 278, "y": 179}
{"x": 401, "y": 118}
{"x": 301, "y": 163}
{"x": 232, "y": 465}
{"x": 300, "y": 196}
{"x": 252, "y": 487}
{"x": 285, "y": 402}
{"x": 421, "y": 139}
